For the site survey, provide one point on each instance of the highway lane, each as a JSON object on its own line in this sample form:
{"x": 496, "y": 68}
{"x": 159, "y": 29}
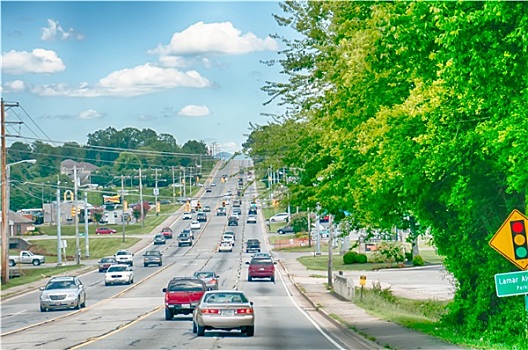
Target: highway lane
{"x": 119, "y": 317}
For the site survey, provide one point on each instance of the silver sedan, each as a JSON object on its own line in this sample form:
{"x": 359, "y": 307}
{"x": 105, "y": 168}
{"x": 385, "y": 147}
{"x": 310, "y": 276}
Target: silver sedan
{"x": 224, "y": 310}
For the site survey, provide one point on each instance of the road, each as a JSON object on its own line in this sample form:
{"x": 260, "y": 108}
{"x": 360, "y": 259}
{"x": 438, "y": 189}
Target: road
{"x": 132, "y": 316}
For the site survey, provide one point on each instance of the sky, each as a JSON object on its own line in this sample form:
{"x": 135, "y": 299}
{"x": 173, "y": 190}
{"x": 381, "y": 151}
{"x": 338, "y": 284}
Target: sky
{"x": 190, "y": 69}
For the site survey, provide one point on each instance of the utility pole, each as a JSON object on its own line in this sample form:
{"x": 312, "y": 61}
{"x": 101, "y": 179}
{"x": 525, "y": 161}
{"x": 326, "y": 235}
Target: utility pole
{"x": 86, "y": 239}
{"x": 173, "y": 189}
{"x": 59, "y": 239}
{"x": 76, "y": 218}
{"x": 5, "y": 214}
{"x": 141, "y": 198}
{"x": 317, "y": 224}
{"x": 330, "y": 246}
{"x": 156, "y": 191}
{"x": 123, "y": 203}
{"x": 309, "y": 229}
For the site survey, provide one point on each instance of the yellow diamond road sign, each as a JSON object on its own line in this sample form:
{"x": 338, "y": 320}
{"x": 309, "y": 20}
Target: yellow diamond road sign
{"x": 511, "y": 239}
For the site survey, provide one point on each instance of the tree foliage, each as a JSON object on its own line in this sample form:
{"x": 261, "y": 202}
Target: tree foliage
{"x": 412, "y": 110}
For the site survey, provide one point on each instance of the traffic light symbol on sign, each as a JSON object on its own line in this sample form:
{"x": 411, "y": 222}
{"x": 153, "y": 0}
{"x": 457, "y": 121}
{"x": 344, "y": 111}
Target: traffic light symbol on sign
{"x": 73, "y": 211}
{"x": 519, "y": 239}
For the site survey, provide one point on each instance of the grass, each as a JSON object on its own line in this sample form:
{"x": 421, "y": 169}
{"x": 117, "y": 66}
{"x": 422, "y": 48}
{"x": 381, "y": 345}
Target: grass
{"x": 29, "y": 275}
{"x": 99, "y": 247}
{"x": 320, "y": 263}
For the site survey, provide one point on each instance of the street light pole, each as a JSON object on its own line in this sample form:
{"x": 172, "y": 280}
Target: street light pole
{"x": 76, "y": 218}
{"x": 123, "y": 204}
{"x": 330, "y": 246}
{"x": 86, "y": 239}
{"x": 317, "y": 224}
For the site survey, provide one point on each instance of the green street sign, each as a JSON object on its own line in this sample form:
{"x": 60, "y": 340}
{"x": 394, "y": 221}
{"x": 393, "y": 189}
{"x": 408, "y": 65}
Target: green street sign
{"x": 511, "y": 283}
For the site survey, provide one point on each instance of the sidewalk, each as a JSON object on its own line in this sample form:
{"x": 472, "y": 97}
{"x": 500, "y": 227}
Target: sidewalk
{"x": 384, "y": 333}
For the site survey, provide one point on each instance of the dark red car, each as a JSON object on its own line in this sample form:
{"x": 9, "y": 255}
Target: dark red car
{"x": 182, "y": 295}
{"x": 261, "y": 268}
{"x": 106, "y": 262}
{"x": 166, "y": 232}
{"x": 104, "y": 231}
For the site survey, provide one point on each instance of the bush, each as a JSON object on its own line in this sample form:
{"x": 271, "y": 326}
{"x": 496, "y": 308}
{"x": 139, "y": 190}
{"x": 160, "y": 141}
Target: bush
{"x": 361, "y": 258}
{"x": 418, "y": 261}
{"x": 409, "y": 256}
{"x": 350, "y": 258}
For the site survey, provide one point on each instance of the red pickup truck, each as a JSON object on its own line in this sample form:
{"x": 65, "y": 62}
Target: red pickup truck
{"x": 182, "y": 295}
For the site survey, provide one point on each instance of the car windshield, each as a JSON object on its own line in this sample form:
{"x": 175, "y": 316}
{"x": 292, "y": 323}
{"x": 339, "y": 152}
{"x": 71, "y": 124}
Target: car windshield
{"x": 226, "y": 298}
{"x": 204, "y": 274}
{"x": 183, "y": 235}
{"x": 155, "y": 252}
{"x": 60, "y": 285}
{"x": 261, "y": 262}
{"x": 107, "y": 260}
{"x": 117, "y": 268}
{"x": 123, "y": 253}
{"x": 185, "y": 286}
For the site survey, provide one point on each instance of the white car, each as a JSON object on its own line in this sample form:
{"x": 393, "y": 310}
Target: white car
{"x": 251, "y": 219}
{"x": 119, "y": 274}
{"x": 187, "y": 216}
{"x": 229, "y": 237}
{"x": 195, "y": 225}
{"x": 123, "y": 256}
{"x": 225, "y": 246}
{"x": 280, "y": 217}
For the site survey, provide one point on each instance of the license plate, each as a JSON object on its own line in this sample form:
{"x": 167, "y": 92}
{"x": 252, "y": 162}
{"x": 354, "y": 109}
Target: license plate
{"x": 186, "y": 306}
{"x": 228, "y": 312}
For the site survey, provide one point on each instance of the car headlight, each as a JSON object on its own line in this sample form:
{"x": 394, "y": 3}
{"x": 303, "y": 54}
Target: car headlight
{"x": 44, "y": 297}
{"x": 71, "y": 295}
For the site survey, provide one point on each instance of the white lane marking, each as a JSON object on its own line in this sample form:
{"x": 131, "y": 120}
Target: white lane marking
{"x": 308, "y": 316}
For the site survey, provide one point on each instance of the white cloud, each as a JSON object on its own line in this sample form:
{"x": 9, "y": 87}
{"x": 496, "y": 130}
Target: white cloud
{"x": 36, "y": 61}
{"x": 15, "y": 86}
{"x": 222, "y": 38}
{"x": 146, "y": 117}
{"x": 90, "y": 114}
{"x": 55, "y": 31}
{"x": 174, "y": 61}
{"x": 229, "y": 147}
{"x": 147, "y": 78}
{"x": 136, "y": 81}
{"x": 194, "y": 111}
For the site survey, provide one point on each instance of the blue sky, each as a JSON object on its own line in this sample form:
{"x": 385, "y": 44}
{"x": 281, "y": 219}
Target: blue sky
{"x": 190, "y": 69}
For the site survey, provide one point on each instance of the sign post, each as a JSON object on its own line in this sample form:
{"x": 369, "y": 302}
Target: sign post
{"x": 511, "y": 241}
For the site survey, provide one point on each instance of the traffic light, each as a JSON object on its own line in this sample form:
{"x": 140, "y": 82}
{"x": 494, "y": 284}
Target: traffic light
{"x": 519, "y": 239}
{"x": 73, "y": 211}
{"x": 223, "y": 204}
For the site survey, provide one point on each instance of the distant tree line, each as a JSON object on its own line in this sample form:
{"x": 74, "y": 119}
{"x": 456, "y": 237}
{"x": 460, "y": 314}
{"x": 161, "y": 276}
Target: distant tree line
{"x": 115, "y": 152}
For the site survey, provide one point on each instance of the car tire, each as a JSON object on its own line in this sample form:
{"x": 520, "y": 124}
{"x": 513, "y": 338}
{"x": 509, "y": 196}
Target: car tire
{"x": 168, "y": 315}
{"x": 281, "y": 232}
{"x": 250, "y": 278}
{"x": 200, "y": 331}
{"x": 106, "y": 283}
{"x": 160, "y": 264}
{"x": 131, "y": 281}
{"x": 250, "y": 331}
{"x": 43, "y": 309}
{"x": 36, "y": 262}
{"x": 272, "y": 278}
{"x": 83, "y": 305}
{"x": 100, "y": 270}
{"x": 145, "y": 265}
{"x": 194, "y": 329}
{"x": 12, "y": 263}
{"x": 78, "y": 306}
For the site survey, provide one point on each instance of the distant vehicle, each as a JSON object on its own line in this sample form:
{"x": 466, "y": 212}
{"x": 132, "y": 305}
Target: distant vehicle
{"x": 232, "y": 221}
{"x": 252, "y": 246}
{"x": 228, "y": 237}
{"x": 120, "y": 274}
{"x": 261, "y": 268}
{"x": 236, "y": 203}
{"x": 221, "y": 211}
{"x": 237, "y": 211}
{"x": 201, "y": 217}
{"x": 165, "y": 201}
{"x": 106, "y": 262}
{"x": 124, "y": 256}
{"x": 104, "y": 231}
{"x": 159, "y": 239}
{"x": 167, "y": 232}
{"x": 213, "y": 184}
{"x": 152, "y": 257}
{"x": 224, "y": 310}
{"x": 225, "y": 246}
{"x": 280, "y": 217}
{"x": 184, "y": 239}
{"x": 251, "y": 219}
{"x": 208, "y": 189}
{"x": 182, "y": 295}
{"x": 206, "y": 208}
{"x": 252, "y": 211}
{"x": 62, "y": 293}
{"x": 195, "y": 225}
{"x": 209, "y": 277}
{"x": 286, "y": 229}
{"x": 261, "y": 255}
{"x": 187, "y": 216}
{"x": 26, "y": 257}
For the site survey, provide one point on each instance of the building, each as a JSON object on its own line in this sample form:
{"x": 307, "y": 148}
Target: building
{"x": 84, "y": 170}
